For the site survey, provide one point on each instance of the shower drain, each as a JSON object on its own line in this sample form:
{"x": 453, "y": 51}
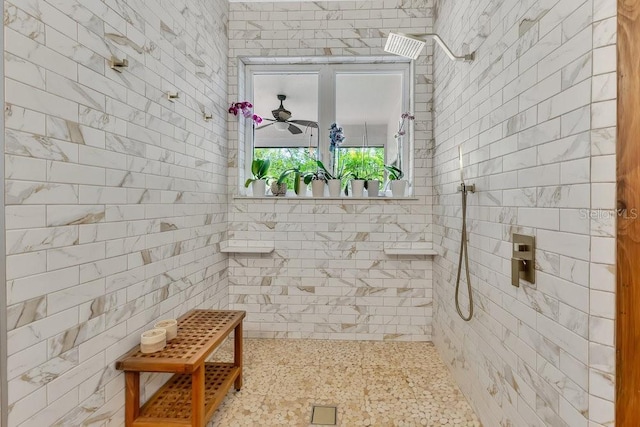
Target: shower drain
{"x": 324, "y": 415}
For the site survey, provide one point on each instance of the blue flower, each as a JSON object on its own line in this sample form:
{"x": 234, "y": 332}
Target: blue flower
{"x": 336, "y": 136}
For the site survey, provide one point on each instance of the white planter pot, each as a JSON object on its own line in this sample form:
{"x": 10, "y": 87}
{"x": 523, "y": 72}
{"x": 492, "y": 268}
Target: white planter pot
{"x": 317, "y": 188}
{"x": 373, "y": 187}
{"x": 398, "y": 187}
{"x": 335, "y": 187}
{"x": 259, "y": 187}
{"x": 302, "y": 188}
{"x": 357, "y": 187}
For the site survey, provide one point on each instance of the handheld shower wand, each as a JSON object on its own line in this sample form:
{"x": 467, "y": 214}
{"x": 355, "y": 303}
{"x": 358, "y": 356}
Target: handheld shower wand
{"x": 464, "y": 189}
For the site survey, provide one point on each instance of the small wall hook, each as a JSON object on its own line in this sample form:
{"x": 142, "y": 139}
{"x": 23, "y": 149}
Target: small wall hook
{"x": 172, "y": 95}
{"x": 207, "y": 117}
{"x": 118, "y": 64}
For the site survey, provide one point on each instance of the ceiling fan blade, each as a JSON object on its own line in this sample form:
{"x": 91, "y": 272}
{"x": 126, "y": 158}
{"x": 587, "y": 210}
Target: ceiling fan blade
{"x": 269, "y": 120}
{"x": 306, "y": 123}
{"x": 295, "y": 130}
{"x": 264, "y": 126}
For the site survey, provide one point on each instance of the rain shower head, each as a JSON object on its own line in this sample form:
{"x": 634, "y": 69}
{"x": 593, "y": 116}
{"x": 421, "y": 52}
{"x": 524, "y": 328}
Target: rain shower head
{"x": 403, "y": 45}
{"x": 410, "y": 46}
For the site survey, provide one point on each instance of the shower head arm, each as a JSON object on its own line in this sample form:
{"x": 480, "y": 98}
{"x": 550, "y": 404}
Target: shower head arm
{"x": 468, "y": 57}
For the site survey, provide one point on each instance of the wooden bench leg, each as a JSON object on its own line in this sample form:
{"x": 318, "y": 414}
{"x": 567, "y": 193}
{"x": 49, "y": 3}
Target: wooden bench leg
{"x": 237, "y": 354}
{"x": 197, "y": 397}
{"x": 131, "y": 397}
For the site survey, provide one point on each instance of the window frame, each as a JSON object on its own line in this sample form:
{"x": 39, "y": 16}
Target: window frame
{"x": 327, "y": 69}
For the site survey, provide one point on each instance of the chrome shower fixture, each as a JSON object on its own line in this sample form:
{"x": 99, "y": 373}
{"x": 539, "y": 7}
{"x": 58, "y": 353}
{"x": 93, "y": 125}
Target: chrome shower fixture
{"x": 207, "y": 116}
{"x": 410, "y": 46}
{"x": 467, "y": 188}
{"x": 171, "y": 96}
{"x": 403, "y": 45}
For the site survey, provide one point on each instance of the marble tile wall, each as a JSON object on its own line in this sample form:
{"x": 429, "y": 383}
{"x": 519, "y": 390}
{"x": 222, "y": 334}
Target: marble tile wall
{"x": 116, "y": 197}
{"x": 329, "y": 276}
{"x": 535, "y": 115}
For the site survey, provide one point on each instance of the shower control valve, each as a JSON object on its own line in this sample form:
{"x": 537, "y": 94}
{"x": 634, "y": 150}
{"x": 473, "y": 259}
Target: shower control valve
{"x": 523, "y": 260}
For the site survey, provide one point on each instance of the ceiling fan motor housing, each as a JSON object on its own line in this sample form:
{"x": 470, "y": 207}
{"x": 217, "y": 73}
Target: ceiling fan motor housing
{"x": 281, "y": 114}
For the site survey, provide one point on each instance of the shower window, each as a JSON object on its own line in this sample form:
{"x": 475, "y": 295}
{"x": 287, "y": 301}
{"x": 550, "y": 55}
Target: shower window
{"x": 368, "y": 105}
{"x": 288, "y": 136}
{"x": 299, "y": 103}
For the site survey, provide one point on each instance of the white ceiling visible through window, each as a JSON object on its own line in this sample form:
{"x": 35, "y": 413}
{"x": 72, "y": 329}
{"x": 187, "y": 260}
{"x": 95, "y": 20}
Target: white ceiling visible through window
{"x": 301, "y": 91}
{"x": 359, "y": 96}
{"x": 367, "y": 98}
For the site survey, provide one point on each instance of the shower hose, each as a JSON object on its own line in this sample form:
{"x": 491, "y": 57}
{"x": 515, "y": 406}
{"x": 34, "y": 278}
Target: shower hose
{"x": 464, "y": 249}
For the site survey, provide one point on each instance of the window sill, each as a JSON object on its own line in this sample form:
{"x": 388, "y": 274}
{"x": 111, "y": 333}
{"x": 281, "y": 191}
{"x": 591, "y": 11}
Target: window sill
{"x": 237, "y": 247}
{"x": 346, "y": 199}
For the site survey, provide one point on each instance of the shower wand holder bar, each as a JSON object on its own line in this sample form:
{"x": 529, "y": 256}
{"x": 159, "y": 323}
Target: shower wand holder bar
{"x": 469, "y": 188}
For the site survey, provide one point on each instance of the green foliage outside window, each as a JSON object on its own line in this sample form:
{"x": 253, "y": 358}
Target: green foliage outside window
{"x": 283, "y": 159}
{"x": 366, "y": 163}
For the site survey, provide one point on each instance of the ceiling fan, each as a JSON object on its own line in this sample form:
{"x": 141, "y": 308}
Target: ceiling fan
{"x": 281, "y": 120}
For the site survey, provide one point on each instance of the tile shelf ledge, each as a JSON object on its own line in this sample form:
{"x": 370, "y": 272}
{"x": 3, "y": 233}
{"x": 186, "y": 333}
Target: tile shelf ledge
{"x": 411, "y": 251}
{"x": 232, "y": 247}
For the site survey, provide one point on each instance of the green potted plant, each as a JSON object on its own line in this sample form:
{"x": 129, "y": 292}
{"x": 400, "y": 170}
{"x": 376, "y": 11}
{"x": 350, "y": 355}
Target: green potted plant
{"x": 357, "y": 177}
{"x": 279, "y": 187}
{"x": 299, "y": 186}
{"x": 259, "y": 170}
{"x": 398, "y": 185}
{"x": 334, "y": 181}
{"x": 369, "y": 176}
{"x": 371, "y": 184}
{"x": 317, "y": 180}
{"x": 357, "y": 185}
{"x": 365, "y": 177}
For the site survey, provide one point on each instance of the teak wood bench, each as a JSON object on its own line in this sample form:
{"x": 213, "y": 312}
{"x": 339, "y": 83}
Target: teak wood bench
{"x": 191, "y": 396}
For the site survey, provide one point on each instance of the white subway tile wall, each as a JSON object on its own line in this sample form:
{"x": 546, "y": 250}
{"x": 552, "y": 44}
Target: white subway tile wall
{"x": 116, "y": 197}
{"x": 329, "y": 276}
{"x": 535, "y": 115}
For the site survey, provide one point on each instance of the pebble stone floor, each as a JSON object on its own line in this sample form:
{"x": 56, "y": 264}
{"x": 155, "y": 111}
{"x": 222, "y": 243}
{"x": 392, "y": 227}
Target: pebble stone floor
{"x": 371, "y": 383}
